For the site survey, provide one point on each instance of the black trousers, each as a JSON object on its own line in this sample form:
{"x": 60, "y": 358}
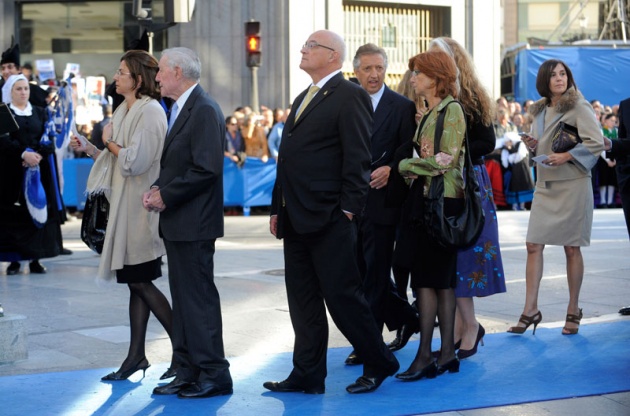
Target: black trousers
{"x": 197, "y": 324}
{"x": 376, "y": 250}
{"x": 321, "y": 271}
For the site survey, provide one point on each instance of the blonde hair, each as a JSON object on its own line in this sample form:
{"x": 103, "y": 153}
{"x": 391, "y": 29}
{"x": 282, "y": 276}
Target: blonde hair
{"x": 472, "y": 94}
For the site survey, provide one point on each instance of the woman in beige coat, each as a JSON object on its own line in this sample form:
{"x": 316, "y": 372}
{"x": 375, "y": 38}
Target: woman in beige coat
{"x": 562, "y": 209}
{"x": 128, "y": 165}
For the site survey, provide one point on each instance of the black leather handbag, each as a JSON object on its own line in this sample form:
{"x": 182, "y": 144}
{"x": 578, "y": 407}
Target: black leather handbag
{"x": 94, "y": 223}
{"x": 565, "y": 138}
{"x": 462, "y": 230}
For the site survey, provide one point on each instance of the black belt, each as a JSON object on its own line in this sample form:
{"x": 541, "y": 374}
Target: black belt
{"x": 478, "y": 161}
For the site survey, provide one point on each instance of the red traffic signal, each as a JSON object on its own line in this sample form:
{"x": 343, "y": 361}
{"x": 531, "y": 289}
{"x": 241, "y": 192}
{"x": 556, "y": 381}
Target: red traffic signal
{"x": 253, "y": 44}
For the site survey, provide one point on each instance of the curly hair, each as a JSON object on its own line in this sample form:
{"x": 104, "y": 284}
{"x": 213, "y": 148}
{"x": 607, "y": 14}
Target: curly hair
{"x": 143, "y": 68}
{"x": 474, "y": 98}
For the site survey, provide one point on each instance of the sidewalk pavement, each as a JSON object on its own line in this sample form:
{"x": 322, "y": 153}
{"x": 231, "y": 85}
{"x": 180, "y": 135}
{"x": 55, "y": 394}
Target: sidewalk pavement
{"x": 75, "y": 323}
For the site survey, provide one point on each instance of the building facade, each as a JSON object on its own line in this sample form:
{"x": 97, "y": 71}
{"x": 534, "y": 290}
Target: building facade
{"x": 94, "y": 33}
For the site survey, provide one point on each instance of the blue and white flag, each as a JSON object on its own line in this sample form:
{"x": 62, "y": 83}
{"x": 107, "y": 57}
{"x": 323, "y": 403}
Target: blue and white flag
{"x": 35, "y": 196}
{"x": 63, "y": 113}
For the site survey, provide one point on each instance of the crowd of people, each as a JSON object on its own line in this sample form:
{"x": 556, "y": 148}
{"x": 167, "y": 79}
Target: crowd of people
{"x": 354, "y": 169}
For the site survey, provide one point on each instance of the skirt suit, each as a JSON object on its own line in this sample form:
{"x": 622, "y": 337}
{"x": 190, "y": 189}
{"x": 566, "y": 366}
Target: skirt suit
{"x": 562, "y": 209}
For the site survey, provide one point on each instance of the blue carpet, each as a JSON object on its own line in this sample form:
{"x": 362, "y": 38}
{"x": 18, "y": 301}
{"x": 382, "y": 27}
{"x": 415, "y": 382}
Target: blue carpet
{"x": 510, "y": 369}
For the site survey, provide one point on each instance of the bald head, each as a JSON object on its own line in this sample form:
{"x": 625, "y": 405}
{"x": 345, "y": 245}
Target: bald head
{"x": 322, "y": 54}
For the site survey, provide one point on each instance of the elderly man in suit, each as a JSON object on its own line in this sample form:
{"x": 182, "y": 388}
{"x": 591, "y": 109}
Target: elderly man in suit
{"x": 394, "y": 124}
{"x": 621, "y": 151}
{"x": 189, "y": 196}
{"x": 321, "y": 184}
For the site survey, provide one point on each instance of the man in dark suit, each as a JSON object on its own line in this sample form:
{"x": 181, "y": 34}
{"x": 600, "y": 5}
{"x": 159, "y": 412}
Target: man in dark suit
{"x": 394, "y": 124}
{"x": 189, "y": 196}
{"x": 321, "y": 184}
{"x": 621, "y": 151}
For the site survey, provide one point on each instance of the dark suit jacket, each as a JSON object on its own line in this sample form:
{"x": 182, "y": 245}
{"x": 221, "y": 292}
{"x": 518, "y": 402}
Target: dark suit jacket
{"x": 191, "y": 174}
{"x": 324, "y": 159}
{"x": 621, "y": 147}
{"x": 394, "y": 124}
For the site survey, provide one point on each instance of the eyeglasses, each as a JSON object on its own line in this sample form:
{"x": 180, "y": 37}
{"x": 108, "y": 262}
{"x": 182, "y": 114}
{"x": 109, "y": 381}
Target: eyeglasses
{"x": 312, "y": 44}
{"x": 415, "y": 72}
{"x": 120, "y": 73}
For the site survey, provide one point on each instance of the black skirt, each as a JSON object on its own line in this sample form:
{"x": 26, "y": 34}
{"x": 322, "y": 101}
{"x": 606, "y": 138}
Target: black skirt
{"x": 430, "y": 264}
{"x": 140, "y": 273}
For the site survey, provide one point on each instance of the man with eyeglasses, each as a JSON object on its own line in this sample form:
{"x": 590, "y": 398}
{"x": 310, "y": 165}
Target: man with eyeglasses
{"x": 321, "y": 184}
{"x": 394, "y": 124}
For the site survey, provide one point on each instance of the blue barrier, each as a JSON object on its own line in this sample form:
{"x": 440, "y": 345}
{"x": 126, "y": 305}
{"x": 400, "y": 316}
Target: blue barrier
{"x": 249, "y": 186}
{"x": 75, "y": 174}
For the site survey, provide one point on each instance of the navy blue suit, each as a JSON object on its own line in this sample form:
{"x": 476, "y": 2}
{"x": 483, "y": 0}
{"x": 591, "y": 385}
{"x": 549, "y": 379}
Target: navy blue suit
{"x": 394, "y": 125}
{"x": 621, "y": 151}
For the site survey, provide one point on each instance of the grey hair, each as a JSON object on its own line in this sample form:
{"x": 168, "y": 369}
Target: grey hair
{"x": 368, "y": 49}
{"x": 186, "y": 59}
{"x": 442, "y": 45}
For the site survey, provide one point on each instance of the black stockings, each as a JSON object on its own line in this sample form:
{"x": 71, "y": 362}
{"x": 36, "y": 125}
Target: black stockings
{"x": 143, "y": 299}
{"x": 440, "y": 303}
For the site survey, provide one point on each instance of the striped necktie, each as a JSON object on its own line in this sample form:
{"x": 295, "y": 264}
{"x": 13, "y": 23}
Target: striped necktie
{"x": 309, "y": 96}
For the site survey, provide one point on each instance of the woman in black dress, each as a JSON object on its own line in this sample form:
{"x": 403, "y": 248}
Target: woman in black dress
{"x": 21, "y": 237}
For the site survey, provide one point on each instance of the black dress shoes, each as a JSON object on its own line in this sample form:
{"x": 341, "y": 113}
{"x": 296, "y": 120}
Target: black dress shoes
{"x": 173, "y": 387}
{"x": 36, "y": 267}
{"x": 367, "y": 384}
{"x": 623, "y": 311}
{"x": 402, "y": 336}
{"x": 288, "y": 387}
{"x": 170, "y": 372}
{"x": 353, "y": 359}
{"x": 65, "y": 252}
{"x": 13, "y": 268}
{"x": 200, "y": 390}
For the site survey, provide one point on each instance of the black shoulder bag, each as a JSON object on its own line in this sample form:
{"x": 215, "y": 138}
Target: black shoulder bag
{"x": 463, "y": 230}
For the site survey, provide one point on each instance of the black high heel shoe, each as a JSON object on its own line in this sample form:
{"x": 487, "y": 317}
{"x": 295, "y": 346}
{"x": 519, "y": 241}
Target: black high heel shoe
{"x": 527, "y": 321}
{"x": 430, "y": 371}
{"x": 461, "y": 354}
{"x": 143, "y": 364}
{"x": 170, "y": 372}
{"x": 452, "y": 366}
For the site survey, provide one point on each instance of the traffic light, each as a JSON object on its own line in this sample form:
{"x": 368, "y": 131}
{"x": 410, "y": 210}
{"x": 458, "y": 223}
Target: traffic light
{"x": 252, "y": 43}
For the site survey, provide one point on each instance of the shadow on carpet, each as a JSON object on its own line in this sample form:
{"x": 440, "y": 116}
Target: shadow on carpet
{"x": 509, "y": 370}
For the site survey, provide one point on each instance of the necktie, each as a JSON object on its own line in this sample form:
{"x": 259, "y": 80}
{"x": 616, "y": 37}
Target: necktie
{"x": 309, "y": 96}
{"x": 172, "y": 115}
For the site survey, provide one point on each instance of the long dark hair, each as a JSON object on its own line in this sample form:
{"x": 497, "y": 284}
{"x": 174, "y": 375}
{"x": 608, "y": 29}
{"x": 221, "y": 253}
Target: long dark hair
{"x": 143, "y": 68}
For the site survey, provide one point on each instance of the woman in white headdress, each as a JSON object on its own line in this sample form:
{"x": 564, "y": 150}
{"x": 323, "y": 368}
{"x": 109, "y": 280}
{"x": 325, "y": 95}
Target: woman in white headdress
{"x": 30, "y": 222}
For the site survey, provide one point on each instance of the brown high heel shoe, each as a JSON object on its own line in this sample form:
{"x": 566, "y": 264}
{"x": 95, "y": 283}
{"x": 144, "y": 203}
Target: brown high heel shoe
{"x": 574, "y": 319}
{"x": 527, "y": 320}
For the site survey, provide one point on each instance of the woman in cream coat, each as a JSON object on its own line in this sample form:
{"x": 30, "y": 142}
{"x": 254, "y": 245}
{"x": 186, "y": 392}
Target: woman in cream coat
{"x": 562, "y": 210}
{"x": 128, "y": 165}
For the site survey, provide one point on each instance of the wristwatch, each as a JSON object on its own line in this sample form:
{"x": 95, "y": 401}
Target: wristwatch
{"x": 109, "y": 141}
